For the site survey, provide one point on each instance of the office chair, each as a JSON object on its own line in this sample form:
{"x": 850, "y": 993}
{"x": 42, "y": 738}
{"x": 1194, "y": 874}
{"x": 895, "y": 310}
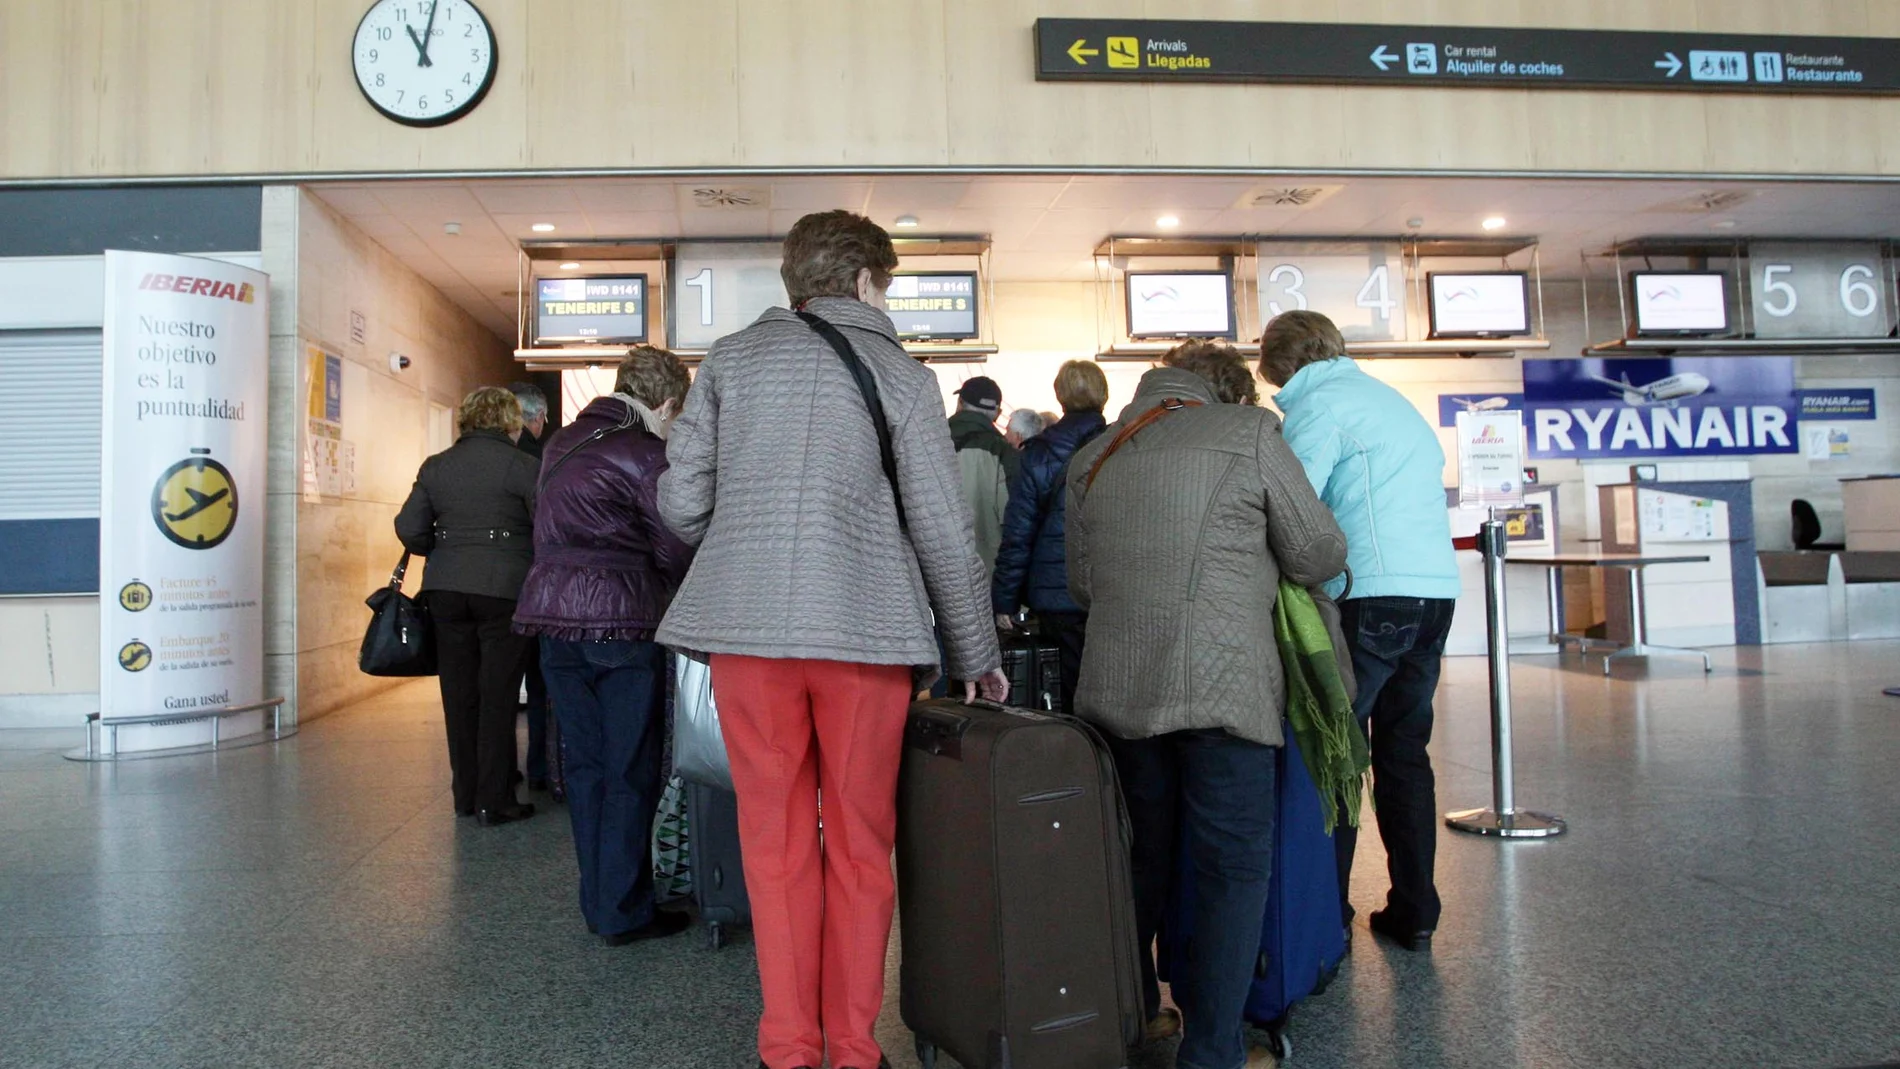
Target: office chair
{"x": 1807, "y": 527}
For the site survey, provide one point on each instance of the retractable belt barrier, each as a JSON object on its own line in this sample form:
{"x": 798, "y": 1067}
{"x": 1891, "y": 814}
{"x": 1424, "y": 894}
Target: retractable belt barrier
{"x": 1503, "y": 819}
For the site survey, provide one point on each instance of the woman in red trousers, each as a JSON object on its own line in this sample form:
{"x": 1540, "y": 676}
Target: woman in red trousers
{"x": 813, "y": 594}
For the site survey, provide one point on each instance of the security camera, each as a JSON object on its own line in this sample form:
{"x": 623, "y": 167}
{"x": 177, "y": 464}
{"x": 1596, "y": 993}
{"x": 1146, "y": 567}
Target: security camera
{"x": 398, "y": 362}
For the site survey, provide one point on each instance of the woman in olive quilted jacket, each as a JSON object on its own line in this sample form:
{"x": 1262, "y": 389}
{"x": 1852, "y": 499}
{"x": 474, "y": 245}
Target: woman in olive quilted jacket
{"x": 1179, "y": 533}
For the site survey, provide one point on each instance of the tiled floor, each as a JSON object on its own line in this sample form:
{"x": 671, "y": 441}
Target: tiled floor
{"x": 1729, "y": 895}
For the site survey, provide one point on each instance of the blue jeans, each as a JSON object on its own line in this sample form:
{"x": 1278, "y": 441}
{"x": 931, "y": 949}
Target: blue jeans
{"x": 1398, "y": 645}
{"x": 609, "y": 697}
{"x": 1212, "y": 795}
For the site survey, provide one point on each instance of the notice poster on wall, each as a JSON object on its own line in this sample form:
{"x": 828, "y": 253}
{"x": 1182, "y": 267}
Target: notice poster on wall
{"x": 1686, "y": 407}
{"x": 181, "y": 518}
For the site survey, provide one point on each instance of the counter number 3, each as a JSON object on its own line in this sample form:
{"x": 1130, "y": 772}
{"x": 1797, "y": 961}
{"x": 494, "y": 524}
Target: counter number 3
{"x": 424, "y": 62}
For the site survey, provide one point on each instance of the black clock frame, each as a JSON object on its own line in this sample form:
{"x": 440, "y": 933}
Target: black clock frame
{"x": 474, "y": 101}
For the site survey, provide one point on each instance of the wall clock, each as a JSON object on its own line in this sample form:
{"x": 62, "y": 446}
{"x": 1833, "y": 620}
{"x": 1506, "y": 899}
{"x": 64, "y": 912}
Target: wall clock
{"x": 424, "y": 62}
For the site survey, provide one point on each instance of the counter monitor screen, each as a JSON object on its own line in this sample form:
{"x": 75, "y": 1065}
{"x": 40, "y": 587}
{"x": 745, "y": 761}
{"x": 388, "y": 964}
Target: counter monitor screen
{"x": 1180, "y": 304}
{"x": 940, "y": 305}
{"x": 1680, "y": 302}
{"x": 602, "y": 309}
{"x": 1482, "y": 304}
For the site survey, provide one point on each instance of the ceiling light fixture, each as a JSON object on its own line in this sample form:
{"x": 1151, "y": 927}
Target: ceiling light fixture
{"x": 1496, "y": 222}
{"x": 570, "y": 266}
{"x": 452, "y": 229}
{"x": 907, "y": 221}
{"x": 542, "y": 228}
{"x": 1726, "y": 224}
{"x": 1168, "y": 222}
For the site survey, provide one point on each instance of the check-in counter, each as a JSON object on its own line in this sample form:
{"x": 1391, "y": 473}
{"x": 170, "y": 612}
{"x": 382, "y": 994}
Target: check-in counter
{"x": 1810, "y": 596}
{"x": 1872, "y": 508}
{"x": 1709, "y": 603}
{"x": 1872, "y": 583}
{"x": 1803, "y": 596}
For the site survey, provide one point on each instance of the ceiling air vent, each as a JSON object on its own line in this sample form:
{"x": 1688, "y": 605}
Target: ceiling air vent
{"x": 731, "y": 197}
{"x": 1714, "y": 200}
{"x": 1295, "y": 197}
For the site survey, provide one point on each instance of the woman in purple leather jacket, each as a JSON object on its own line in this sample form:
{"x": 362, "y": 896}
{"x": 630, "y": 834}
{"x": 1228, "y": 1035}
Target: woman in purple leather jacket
{"x": 605, "y": 570}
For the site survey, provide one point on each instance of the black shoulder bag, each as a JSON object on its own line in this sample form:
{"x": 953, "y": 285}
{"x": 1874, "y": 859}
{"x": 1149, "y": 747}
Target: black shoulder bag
{"x": 868, "y": 387}
{"x": 401, "y": 637}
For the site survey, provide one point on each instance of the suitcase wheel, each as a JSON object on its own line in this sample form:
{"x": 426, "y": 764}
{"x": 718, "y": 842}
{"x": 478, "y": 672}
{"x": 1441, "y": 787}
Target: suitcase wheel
{"x": 926, "y": 1054}
{"x": 1279, "y": 1043}
{"x": 716, "y": 935}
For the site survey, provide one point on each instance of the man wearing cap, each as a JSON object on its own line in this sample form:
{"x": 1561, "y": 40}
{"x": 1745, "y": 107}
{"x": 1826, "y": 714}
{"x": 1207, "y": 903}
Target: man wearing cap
{"x": 987, "y": 460}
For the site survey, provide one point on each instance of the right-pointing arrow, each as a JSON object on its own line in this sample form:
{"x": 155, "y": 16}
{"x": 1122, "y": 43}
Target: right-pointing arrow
{"x": 1669, "y": 63}
{"x": 1383, "y": 59}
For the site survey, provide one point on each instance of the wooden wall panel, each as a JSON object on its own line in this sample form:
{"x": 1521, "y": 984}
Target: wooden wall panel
{"x": 49, "y": 88}
{"x": 207, "y": 87}
{"x": 835, "y": 82}
{"x": 608, "y": 77}
{"x": 999, "y": 112}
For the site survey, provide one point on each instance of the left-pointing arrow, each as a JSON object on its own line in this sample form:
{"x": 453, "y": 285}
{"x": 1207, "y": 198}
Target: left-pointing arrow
{"x": 1383, "y": 59}
{"x": 1076, "y": 51}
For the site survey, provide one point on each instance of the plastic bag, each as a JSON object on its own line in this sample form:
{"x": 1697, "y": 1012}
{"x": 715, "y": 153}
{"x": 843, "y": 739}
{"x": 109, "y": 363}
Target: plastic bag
{"x": 699, "y": 747}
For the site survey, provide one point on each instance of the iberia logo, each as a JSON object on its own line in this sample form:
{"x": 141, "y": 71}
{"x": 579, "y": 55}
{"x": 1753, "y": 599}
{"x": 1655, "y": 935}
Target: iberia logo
{"x": 1489, "y": 436}
{"x": 241, "y": 292}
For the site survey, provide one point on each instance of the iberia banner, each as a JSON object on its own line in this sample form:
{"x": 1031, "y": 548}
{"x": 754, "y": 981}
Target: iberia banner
{"x": 181, "y": 510}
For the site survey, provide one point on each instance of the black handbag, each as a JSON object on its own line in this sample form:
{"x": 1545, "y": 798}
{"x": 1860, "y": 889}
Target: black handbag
{"x": 401, "y": 637}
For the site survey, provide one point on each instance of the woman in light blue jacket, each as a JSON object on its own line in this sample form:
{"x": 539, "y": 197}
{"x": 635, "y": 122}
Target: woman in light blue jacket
{"x": 1378, "y": 465}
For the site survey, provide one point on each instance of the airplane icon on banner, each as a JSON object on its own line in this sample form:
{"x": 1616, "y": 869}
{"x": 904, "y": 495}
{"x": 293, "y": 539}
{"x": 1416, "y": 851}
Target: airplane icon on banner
{"x": 1668, "y": 392}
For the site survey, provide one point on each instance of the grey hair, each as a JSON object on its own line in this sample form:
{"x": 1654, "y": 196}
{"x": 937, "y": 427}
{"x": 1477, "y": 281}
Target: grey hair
{"x": 1026, "y": 423}
{"x": 534, "y": 403}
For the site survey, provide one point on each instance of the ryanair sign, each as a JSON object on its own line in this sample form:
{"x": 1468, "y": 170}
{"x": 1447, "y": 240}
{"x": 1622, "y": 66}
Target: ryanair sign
{"x": 1615, "y": 409}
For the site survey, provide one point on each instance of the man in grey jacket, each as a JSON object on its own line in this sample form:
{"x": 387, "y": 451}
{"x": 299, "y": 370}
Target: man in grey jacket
{"x": 813, "y": 593}
{"x": 1179, "y": 532}
{"x": 987, "y": 460}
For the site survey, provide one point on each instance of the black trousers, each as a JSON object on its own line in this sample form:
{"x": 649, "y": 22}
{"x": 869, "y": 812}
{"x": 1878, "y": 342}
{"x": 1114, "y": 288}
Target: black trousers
{"x": 1068, "y": 631}
{"x": 479, "y": 659}
{"x": 1398, "y": 645}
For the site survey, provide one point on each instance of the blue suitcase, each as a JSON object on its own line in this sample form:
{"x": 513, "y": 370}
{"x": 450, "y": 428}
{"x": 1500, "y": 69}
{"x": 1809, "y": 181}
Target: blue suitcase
{"x": 1303, "y": 940}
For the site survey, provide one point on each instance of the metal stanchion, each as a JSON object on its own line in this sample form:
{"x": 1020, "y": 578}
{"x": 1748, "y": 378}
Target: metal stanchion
{"x": 1503, "y": 819}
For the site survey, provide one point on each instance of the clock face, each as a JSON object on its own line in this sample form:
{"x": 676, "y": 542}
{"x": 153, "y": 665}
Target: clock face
{"x": 424, "y": 62}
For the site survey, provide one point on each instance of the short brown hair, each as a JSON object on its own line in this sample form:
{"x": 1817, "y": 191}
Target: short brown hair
{"x": 1221, "y": 365}
{"x": 652, "y": 377}
{"x": 489, "y": 408}
{"x": 825, "y": 251}
{"x": 1294, "y": 340}
{"x": 1081, "y": 386}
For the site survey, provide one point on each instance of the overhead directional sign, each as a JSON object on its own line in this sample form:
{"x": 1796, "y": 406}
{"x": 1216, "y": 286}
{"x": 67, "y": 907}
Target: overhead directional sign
{"x": 1303, "y": 52}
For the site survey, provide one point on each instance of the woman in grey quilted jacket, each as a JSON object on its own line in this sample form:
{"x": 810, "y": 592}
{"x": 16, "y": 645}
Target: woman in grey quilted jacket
{"x": 1182, "y": 518}
{"x": 813, "y": 594}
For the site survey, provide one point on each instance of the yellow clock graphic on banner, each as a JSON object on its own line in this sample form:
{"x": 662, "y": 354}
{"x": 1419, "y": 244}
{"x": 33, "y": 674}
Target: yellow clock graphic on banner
{"x": 195, "y": 502}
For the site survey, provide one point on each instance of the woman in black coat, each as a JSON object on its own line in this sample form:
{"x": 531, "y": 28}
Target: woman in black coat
{"x": 471, "y": 514}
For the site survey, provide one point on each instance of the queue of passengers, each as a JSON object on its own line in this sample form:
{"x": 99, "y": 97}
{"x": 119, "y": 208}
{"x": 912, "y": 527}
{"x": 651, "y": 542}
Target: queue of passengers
{"x": 747, "y": 519}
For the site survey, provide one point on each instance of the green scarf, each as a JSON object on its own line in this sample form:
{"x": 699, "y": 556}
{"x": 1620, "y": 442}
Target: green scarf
{"x": 1317, "y": 707}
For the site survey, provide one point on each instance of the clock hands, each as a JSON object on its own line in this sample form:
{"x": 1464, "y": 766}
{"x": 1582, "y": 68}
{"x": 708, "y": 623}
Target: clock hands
{"x": 422, "y": 50}
{"x": 428, "y": 32}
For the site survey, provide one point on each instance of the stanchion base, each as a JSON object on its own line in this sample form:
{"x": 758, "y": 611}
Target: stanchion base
{"x": 1518, "y": 824}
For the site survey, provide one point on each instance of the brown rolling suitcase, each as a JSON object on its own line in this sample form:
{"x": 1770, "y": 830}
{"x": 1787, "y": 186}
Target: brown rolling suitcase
{"x": 1015, "y": 893}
